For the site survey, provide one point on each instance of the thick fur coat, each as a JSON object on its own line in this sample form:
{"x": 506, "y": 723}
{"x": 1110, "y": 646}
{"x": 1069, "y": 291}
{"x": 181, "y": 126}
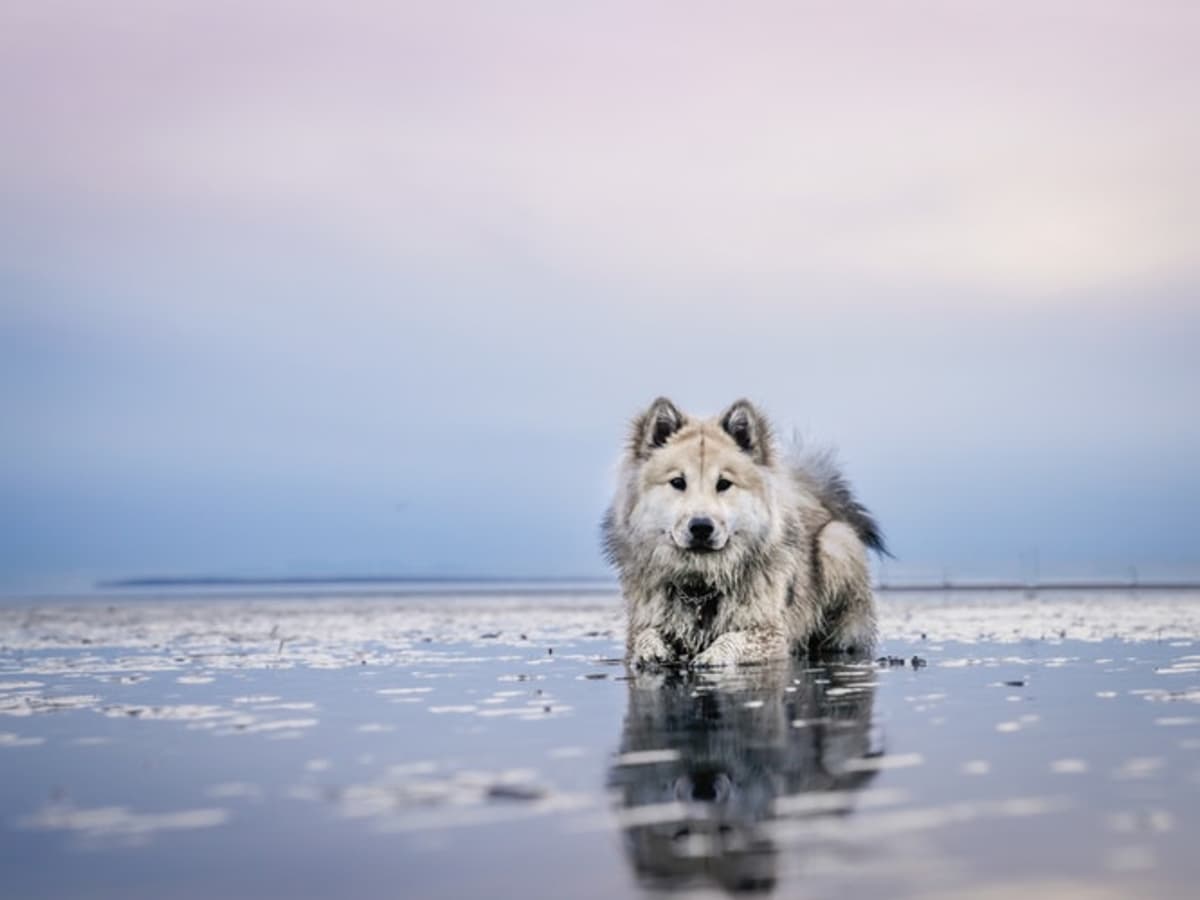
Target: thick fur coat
{"x": 730, "y": 554}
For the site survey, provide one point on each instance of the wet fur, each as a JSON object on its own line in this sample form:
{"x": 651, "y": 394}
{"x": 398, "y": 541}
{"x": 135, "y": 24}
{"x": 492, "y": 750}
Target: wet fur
{"x": 792, "y": 572}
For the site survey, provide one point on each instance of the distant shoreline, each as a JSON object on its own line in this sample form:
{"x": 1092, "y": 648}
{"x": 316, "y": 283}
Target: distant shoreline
{"x": 303, "y": 580}
{"x": 595, "y": 584}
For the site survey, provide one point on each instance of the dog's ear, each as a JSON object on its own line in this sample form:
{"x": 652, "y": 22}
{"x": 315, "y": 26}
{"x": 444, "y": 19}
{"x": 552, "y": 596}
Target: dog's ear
{"x": 654, "y": 427}
{"x": 750, "y": 430}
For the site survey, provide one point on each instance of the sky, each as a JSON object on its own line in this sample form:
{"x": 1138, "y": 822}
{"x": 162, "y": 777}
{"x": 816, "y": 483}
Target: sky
{"x": 307, "y": 288}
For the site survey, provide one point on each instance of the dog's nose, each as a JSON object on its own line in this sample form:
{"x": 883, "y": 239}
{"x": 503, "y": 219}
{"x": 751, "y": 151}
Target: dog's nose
{"x": 701, "y": 528}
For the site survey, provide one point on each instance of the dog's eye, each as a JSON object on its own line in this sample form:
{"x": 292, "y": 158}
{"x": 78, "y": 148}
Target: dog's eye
{"x": 678, "y": 483}
{"x": 723, "y": 484}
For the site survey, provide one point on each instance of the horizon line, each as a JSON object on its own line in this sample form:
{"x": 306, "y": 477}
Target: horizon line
{"x": 597, "y": 582}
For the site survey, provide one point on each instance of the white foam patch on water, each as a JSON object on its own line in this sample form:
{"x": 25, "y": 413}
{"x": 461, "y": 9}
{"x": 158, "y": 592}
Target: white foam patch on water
{"x": 417, "y": 767}
{"x": 870, "y": 826}
{"x": 29, "y": 704}
{"x": 418, "y": 797}
{"x": 1069, "y": 766}
{"x": 647, "y": 757}
{"x": 190, "y": 712}
{"x": 119, "y": 822}
{"x": 536, "y": 709}
{"x": 881, "y": 763}
{"x": 9, "y": 739}
{"x": 651, "y": 814}
{"x": 837, "y": 801}
{"x": 1140, "y": 767}
{"x": 274, "y": 725}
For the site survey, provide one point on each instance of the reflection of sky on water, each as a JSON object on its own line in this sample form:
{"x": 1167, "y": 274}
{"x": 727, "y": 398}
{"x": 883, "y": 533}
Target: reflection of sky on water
{"x": 192, "y": 748}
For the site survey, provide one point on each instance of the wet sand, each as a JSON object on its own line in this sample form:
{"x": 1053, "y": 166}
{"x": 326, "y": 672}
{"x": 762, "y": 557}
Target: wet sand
{"x": 495, "y": 746}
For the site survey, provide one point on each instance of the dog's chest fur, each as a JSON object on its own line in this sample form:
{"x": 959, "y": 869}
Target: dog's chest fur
{"x": 694, "y": 614}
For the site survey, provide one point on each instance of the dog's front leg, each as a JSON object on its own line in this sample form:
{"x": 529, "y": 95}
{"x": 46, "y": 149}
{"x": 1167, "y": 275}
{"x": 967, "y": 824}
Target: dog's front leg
{"x": 647, "y": 648}
{"x": 751, "y": 645}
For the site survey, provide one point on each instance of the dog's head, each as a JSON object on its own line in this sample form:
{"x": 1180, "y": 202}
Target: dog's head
{"x": 701, "y": 491}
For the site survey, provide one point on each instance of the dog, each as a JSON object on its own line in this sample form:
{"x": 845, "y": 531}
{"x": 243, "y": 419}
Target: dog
{"x": 730, "y": 554}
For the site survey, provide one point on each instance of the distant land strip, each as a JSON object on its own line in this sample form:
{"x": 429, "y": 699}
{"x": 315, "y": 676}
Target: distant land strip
{"x": 382, "y": 584}
{"x": 599, "y": 584}
{"x": 1064, "y": 585}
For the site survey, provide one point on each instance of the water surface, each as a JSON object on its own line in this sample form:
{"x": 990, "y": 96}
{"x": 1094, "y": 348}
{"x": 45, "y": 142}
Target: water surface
{"x": 459, "y": 746}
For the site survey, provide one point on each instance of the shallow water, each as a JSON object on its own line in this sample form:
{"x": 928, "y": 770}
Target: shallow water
{"x": 458, "y": 747}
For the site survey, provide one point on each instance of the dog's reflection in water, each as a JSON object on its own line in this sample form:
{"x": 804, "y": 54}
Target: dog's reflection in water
{"x": 709, "y": 761}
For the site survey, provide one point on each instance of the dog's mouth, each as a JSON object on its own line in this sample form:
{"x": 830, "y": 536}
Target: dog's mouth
{"x": 700, "y": 546}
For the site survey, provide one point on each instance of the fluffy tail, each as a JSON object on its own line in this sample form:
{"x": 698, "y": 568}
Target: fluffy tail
{"x": 818, "y": 470}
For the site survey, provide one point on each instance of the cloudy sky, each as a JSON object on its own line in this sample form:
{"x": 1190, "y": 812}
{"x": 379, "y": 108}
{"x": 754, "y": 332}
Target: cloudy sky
{"x": 305, "y": 288}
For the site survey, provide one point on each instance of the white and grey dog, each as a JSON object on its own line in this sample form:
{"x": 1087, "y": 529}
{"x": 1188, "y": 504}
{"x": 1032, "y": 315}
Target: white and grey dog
{"x": 729, "y": 554}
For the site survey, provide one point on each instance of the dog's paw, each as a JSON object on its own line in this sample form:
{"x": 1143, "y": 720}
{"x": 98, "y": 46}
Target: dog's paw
{"x": 650, "y": 650}
{"x": 854, "y": 636}
{"x": 724, "y": 651}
